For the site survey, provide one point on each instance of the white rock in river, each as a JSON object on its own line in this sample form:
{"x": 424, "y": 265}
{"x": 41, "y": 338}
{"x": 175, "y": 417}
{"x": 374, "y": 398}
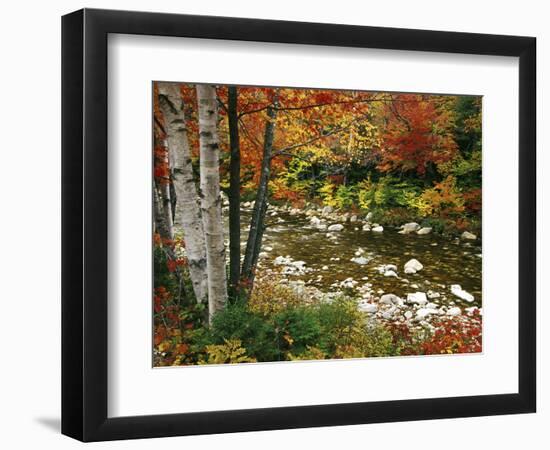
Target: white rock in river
{"x": 454, "y": 311}
{"x": 321, "y": 227}
{"x": 366, "y": 227}
{"x": 336, "y": 227}
{"x": 315, "y": 221}
{"x": 325, "y": 268}
{"x": 408, "y": 315}
{"x": 457, "y": 290}
{"x": 389, "y": 299}
{"x": 326, "y": 210}
{"x": 432, "y": 294}
{"x": 424, "y": 230}
{"x": 378, "y": 229}
{"x": 431, "y": 306}
{"x": 390, "y": 273}
{"x": 359, "y": 251}
{"x": 368, "y": 218}
{"x": 468, "y": 235}
{"x": 417, "y": 297}
{"x": 353, "y": 218}
{"x": 410, "y": 227}
{"x": 367, "y": 307}
{"x": 281, "y": 260}
{"x": 413, "y": 266}
{"x": 422, "y": 313}
{"x": 360, "y": 260}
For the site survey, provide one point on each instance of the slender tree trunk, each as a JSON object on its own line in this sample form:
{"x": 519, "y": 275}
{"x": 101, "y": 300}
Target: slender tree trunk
{"x": 166, "y": 205}
{"x": 162, "y": 229}
{"x": 187, "y": 212}
{"x": 210, "y": 198}
{"x": 159, "y": 222}
{"x": 257, "y": 222}
{"x": 234, "y": 193}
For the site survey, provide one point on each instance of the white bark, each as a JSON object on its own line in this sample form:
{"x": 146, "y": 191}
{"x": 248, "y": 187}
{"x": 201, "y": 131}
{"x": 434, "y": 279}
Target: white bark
{"x": 188, "y": 213}
{"x": 210, "y": 198}
{"x": 164, "y": 189}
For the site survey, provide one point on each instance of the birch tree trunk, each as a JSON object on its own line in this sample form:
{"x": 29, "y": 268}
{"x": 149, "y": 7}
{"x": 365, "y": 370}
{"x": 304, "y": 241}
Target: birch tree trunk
{"x": 159, "y": 223}
{"x": 210, "y": 198}
{"x": 166, "y": 204}
{"x": 234, "y": 192}
{"x": 257, "y": 222}
{"x": 187, "y": 211}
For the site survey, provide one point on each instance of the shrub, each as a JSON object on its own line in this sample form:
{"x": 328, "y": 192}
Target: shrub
{"x": 256, "y": 334}
{"x": 338, "y": 321}
{"x": 297, "y": 329}
{"x": 269, "y": 296}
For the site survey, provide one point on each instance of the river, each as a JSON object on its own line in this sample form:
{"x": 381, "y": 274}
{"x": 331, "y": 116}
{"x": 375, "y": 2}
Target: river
{"x": 446, "y": 260}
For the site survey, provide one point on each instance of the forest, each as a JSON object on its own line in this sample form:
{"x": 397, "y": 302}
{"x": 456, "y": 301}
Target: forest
{"x": 308, "y": 224}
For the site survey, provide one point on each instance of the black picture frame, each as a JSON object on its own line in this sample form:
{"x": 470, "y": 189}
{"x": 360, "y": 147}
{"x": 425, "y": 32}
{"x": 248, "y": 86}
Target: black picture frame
{"x": 84, "y": 224}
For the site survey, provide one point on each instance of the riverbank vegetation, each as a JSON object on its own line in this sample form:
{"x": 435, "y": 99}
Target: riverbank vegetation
{"x": 409, "y": 162}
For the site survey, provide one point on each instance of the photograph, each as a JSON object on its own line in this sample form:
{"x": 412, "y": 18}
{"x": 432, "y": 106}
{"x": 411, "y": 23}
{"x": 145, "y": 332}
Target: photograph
{"x": 294, "y": 224}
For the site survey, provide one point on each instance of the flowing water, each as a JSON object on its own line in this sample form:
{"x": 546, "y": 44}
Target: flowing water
{"x": 446, "y": 260}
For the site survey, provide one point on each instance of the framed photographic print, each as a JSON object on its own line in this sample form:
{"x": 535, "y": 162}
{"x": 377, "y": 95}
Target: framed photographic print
{"x": 287, "y": 224}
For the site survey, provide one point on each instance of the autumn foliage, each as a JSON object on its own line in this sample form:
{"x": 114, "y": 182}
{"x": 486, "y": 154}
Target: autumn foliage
{"x": 399, "y": 157}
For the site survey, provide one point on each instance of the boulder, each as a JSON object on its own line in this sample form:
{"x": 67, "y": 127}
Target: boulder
{"x": 418, "y": 298}
{"x": 368, "y": 217}
{"x": 410, "y": 227}
{"x": 389, "y": 299}
{"x": 360, "y": 260}
{"x": 326, "y": 210}
{"x": 315, "y": 221}
{"x": 424, "y": 230}
{"x": 408, "y": 315}
{"x": 390, "y": 273}
{"x": 413, "y": 266}
{"x": 423, "y": 313}
{"x": 336, "y": 227}
{"x": 468, "y": 235}
{"x": 366, "y": 227}
{"x": 281, "y": 261}
{"x": 457, "y": 290}
{"x": 378, "y": 229}
{"x": 353, "y": 218}
{"x": 367, "y": 307}
{"x": 454, "y": 311}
